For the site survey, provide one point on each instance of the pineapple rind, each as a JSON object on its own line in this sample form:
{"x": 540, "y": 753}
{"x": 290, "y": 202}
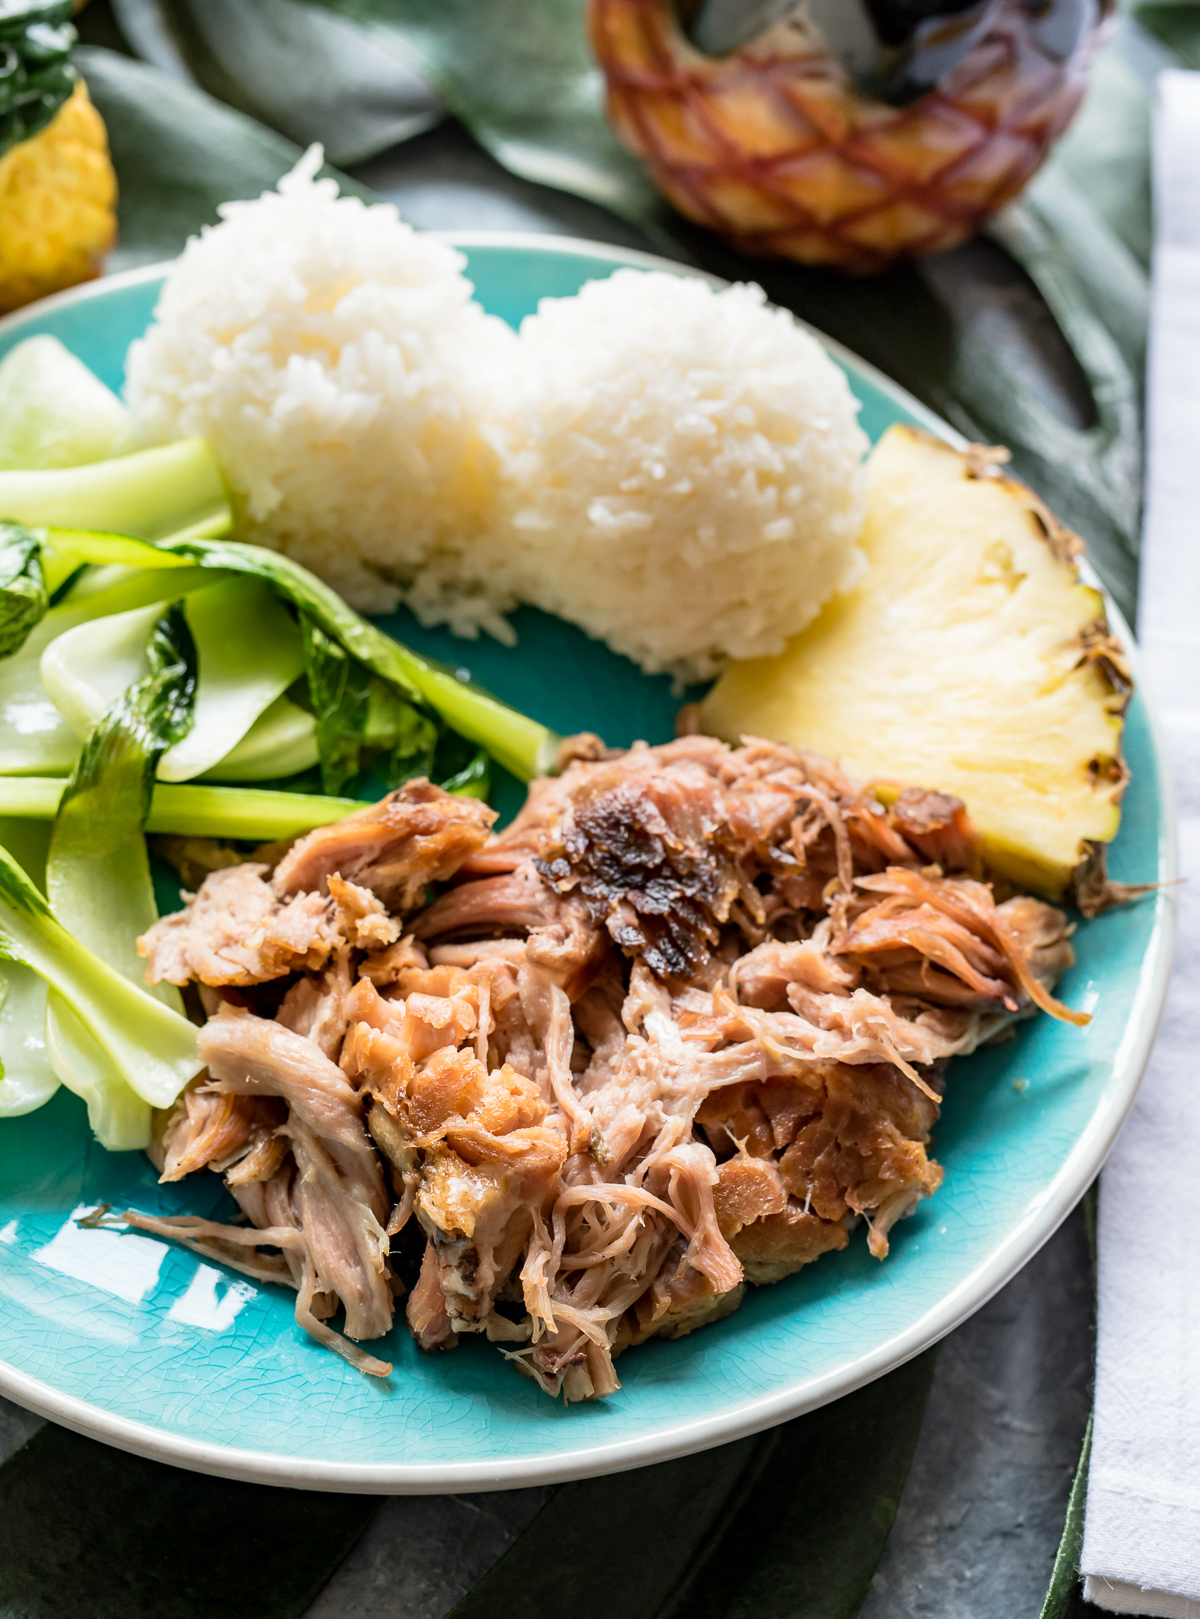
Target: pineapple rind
{"x": 57, "y": 205}
{"x": 959, "y": 663}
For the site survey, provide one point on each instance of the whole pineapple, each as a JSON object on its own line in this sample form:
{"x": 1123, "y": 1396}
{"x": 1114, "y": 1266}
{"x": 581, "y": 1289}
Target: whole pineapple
{"x": 57, "y": 187}
{"x": 783, "y": 148}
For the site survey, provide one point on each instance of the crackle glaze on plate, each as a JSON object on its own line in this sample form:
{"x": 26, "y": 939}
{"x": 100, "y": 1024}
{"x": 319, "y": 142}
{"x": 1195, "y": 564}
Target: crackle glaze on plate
{"x": 141, "y": 1344}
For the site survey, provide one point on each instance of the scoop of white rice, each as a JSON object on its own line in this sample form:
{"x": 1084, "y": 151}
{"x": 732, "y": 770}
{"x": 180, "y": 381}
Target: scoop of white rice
{"x": 676, "y": 470}
{"x": 689, "y": 486}
{"x": 334, "y": 359}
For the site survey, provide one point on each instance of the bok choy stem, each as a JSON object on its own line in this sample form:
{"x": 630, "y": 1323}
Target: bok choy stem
{"x": 35, "y": 739}
{"x": 27, "y": 1077}
{"x": 151, "y": 494}
{"x": 24, "y": 594}
{"x": 67, "y": 549}
{"x": 98, "y": 873}
{"x": 28, "y": 1081}
{"x": 257, "y": 814}
{"x": 118, "y": 1117}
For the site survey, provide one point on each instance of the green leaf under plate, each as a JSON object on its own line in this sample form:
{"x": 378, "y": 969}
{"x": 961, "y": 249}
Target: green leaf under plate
{"x": 1177, "y": 24}
{"x": 178, "y": 154}
{"x": 308, "y": 73}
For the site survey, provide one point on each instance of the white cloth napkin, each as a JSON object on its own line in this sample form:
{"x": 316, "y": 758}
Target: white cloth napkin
{"x": 1141, "y": 1547}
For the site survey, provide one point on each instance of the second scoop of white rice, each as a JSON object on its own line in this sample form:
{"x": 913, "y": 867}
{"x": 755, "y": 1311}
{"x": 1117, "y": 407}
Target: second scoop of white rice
{"x": 690, "y": 486}
{"x": 676, "y": 469}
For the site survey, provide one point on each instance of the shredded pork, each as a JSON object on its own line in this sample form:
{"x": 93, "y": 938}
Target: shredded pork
{"x": 679, "y": 1028}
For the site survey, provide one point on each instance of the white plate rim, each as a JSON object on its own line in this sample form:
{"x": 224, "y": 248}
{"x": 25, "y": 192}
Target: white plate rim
{"x": 1036, "y": 1226}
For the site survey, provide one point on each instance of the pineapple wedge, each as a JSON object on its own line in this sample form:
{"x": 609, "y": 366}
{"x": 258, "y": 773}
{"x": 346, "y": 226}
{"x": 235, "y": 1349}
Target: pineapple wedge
{"x": 970, "y": 658}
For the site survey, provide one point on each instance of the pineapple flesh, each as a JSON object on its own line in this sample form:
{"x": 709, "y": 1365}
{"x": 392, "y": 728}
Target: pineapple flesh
{"x": 970, "y": 659}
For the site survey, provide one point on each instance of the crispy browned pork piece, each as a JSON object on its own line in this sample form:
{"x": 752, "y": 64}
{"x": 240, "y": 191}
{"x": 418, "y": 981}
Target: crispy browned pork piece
{"x": 326, "y": 893}
{"x": 678, "y": 1028}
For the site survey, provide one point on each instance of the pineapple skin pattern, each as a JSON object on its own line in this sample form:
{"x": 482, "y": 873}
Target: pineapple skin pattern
{"x": 774, "y": 148}
{"x": 58, "y": 198}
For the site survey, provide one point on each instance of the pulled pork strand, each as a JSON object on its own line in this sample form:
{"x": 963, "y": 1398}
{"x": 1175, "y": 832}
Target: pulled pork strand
{"x": 675, "y": 1031}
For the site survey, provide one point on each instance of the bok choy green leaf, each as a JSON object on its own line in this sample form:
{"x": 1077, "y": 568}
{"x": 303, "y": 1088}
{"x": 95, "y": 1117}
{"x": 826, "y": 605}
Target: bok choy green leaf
{"x": 359, "y": 716}
{"x": 23, "y": 593}
{"x": 514, "y": 740}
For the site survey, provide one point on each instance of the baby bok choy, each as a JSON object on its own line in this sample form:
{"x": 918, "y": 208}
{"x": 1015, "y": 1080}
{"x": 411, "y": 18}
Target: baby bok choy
{"x": 146, "y": 687}
{"x": 98, "y": 874}
{"x": 288, "y": 676}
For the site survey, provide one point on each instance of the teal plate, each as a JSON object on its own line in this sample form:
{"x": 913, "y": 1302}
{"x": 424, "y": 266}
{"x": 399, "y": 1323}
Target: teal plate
{"x": 138, "y": 1343}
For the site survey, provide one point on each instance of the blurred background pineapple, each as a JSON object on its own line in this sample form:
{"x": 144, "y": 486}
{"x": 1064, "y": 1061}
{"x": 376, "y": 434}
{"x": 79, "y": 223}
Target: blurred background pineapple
{"x": 57, "y": 187}
{"x": 843, "y": 132}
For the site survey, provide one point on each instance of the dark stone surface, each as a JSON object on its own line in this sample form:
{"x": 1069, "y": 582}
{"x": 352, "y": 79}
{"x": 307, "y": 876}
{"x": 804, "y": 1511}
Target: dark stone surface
{"x": 979, "y": 1525}
{"x": 422, "y": 1553}
{"x": 16, "y": 1426}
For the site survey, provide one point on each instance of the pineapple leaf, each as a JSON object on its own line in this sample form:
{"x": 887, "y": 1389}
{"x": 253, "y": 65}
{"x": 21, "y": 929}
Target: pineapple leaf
{"x": 37, "y": 76}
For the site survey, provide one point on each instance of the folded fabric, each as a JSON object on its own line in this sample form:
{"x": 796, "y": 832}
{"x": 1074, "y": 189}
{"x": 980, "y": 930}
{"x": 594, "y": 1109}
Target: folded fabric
{"x": 1141, "y": 1547}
